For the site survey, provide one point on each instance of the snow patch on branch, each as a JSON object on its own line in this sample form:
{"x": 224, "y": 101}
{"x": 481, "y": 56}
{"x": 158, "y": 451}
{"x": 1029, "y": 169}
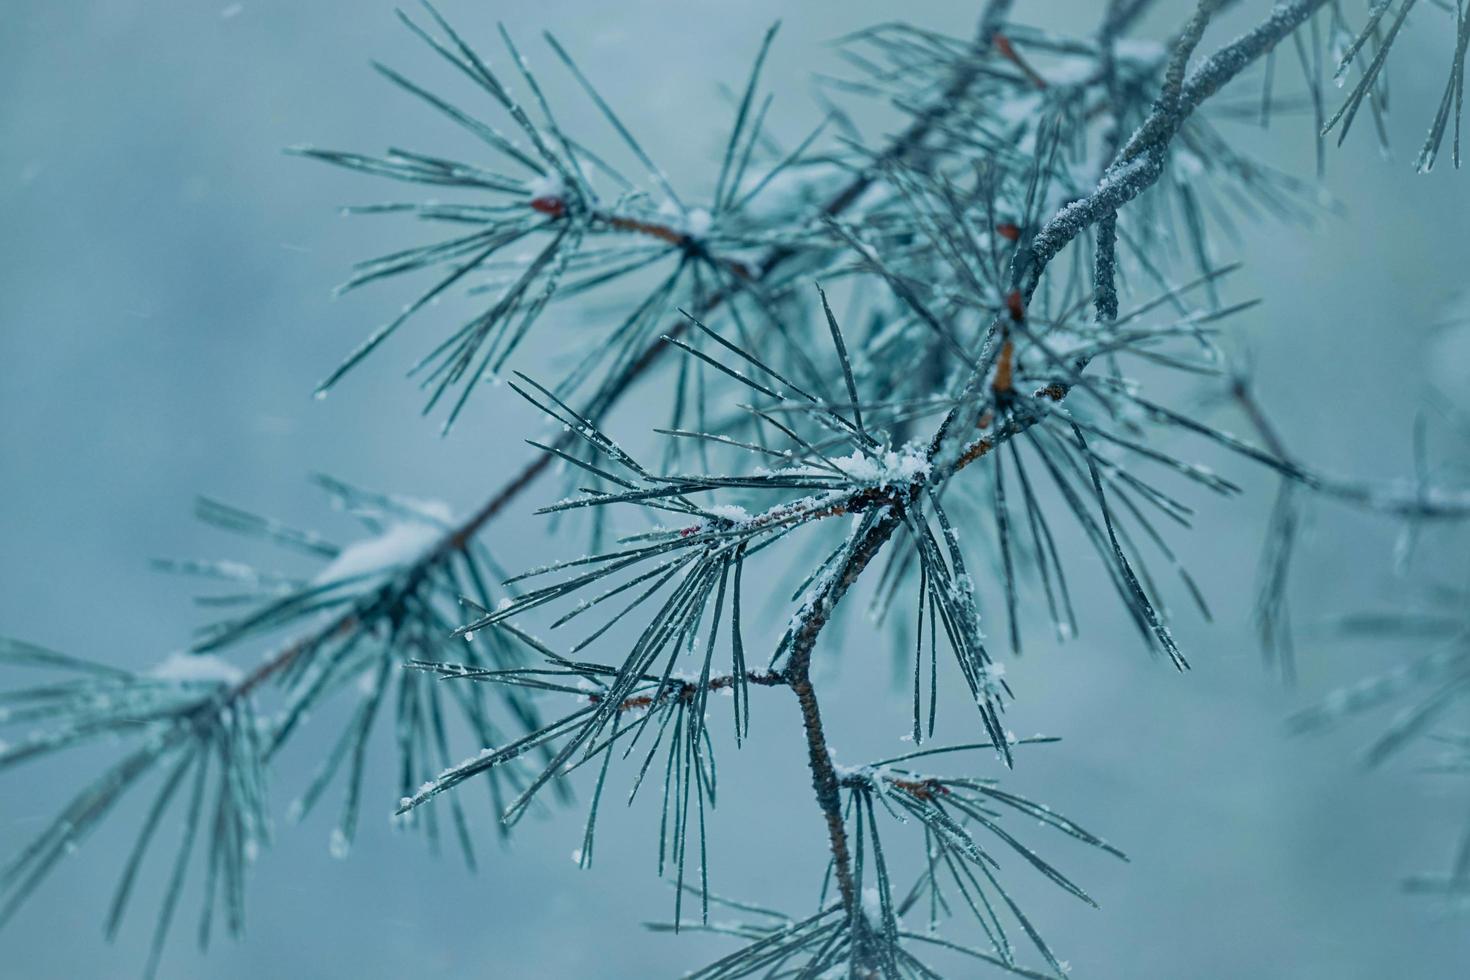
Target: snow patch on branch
{"x": 906, "y": 464}
{"x": 400, "y": 543}
{"x": 548, "y": 186}
{"x": 697, "y": 223}
{"x": 196, "y": 668}
{"x": 903, "y": 465}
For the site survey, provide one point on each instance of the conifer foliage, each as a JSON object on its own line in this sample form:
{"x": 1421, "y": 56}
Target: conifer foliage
{"x": 1027, "y": 275}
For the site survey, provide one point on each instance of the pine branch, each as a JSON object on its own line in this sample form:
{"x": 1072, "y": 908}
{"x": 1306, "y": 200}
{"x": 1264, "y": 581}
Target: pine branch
{"x": 1123, "y": 182}
{"x": 909, "y": 142}
{"x": 978, "y": 331}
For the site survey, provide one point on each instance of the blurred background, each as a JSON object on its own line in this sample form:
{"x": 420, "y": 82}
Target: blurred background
{"x": 165, "y": 312}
